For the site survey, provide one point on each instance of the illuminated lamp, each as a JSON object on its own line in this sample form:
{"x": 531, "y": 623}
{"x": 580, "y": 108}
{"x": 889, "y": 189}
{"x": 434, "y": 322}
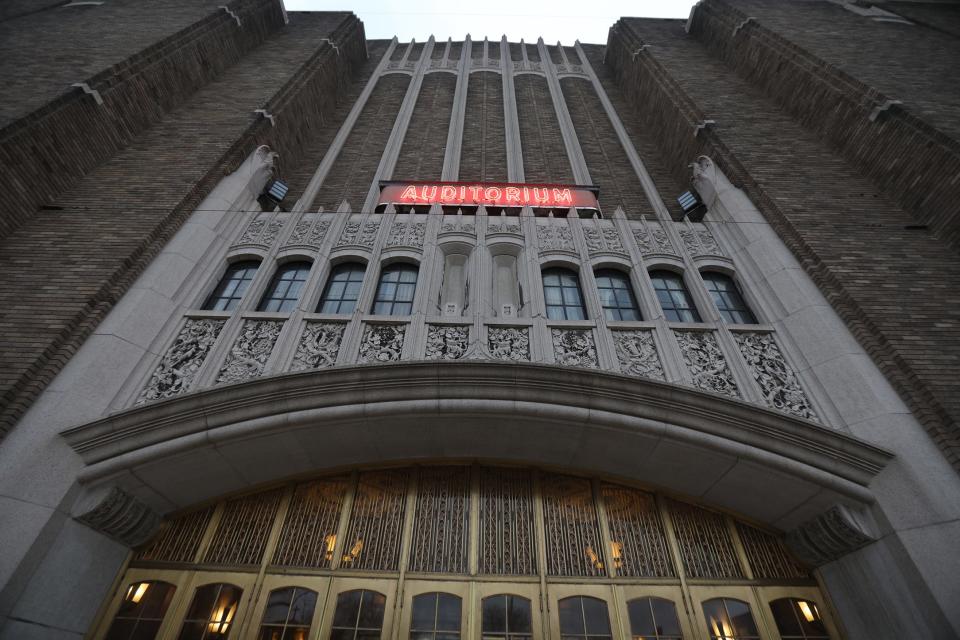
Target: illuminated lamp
{"x": 276, "y": 190}
{"x": 693, "y": 208}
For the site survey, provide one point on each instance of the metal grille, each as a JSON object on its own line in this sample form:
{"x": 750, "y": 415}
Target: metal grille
{"x": 638, "y": 543}
{"x": 244, "y": 527}
{"x": 376, "y": 523}
{"x": 767, "y": 555}
{"x": 571, "y": 529}
{"x": 179, "y": 539}
{"x": 705, "y": 544}
{"x": 506, "y": 522}
{"x": 310, "y": 530}
{"x": 442, "y": 520}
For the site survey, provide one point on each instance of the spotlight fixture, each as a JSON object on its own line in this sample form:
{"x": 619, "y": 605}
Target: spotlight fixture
{"x": 693, "y": 208}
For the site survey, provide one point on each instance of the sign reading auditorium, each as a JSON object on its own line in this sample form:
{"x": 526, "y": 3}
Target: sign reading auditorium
{"x": 488, "y": 194}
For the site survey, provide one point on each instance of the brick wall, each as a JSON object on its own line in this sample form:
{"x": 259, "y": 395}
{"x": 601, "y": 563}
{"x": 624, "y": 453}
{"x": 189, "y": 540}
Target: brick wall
{"x": 544, "y": 154}
{"x": 422, "y": 151}
{"x": 68, "y": 266}
{"x": 894, "y": 286}
{"x": 483, "y": 154}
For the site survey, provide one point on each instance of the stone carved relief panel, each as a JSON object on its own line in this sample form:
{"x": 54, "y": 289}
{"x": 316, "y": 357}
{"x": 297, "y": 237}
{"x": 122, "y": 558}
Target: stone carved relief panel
{"x": 382, "y": 343}
{"x": 777, "y": 381}
{"x": 407, "y": 235}
{"x": 458, "y": 224}
{"x": 555, "y": 237}
{"x": 254, "y": 229}
{"x": 652, "y": 239}
{"x": 574, "y": 348}
{"x": 182, "y": 361}
{"x": 509, "y": 343}
{"x": 601, "y": 238}
{"x": 250, "y": 351}
{"x": 360, "y": 234}
{"x": 503, "y": 224}
{"x": 263, "y": 229}
{"x": 637, "y": 354}
{"x": 319, "y": 345}
{"x": 310, "y": 231}
{"x": 706, "y": 362}
{"x": 447, "y": 342}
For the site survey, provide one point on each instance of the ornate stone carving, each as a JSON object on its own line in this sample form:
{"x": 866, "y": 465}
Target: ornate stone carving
{"x": 829, "y": 536}
{"x": 574, "y": 348}
{"x": 382, "y": 342}
{"x": 273, "y": 229}
{"x": 118, "y": 515}
{"x": 300, "y": 231}
{"x": 309, "y": 232}
{"x": 555, "y": 237}
{"x": 319, "y": 345}
{"x": 637, "y": 353}
{"x": 254, "y": 229}
{"x": 652, "y": 239}
{"x": 409, "y": 235}
{"x": 359, "y": 234}
{"x": 601, "y": 238}
{"x": 458, "y": 225}
{"x": 397, "y": 232}
{"x": 250, "y": 351}
{"x": 503, "y": 224}
{"x": 318, "y": 233}
{"x": 417, "y": 232}
{"x": 593, "y": 239}
{"x": 509, "y": 343}
{"x": 706, "y": 363}
{"x": 708, "y": 242}
{"x": 180, "y": 364}
{"x": 690, "y": 241}
{"x": 780, "y": 386}
{"x": 446, "y": 342}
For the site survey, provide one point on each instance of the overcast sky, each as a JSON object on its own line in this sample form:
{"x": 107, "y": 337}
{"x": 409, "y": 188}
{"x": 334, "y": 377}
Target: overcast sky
{"x": 558, "y": 20}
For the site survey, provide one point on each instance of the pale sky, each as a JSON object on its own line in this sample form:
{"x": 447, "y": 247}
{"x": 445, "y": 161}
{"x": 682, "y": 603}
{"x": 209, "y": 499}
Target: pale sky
{"x": 558, "y": 20}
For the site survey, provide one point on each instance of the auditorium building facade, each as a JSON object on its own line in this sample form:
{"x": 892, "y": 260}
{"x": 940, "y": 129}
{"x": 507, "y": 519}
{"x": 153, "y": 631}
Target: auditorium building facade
{"x": 314, "y": 336}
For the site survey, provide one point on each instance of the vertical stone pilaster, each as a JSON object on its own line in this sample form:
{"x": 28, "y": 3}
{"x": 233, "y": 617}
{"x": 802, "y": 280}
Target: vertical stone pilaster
{"x": 578, "y": 163}
{"x": 510, "y": 119}
{"x": 451, "y": 158}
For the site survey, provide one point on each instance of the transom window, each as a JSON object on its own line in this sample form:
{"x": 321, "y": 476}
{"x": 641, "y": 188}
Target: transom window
{"x": 731, "y": 305}
{"x": 232, "y": 286}
{"x": 506, "y": 617}
{"x": 343, "y": 288}
{"x": 141, "y": 611}
{"x": 616, "y": 295}
{"x": 288, "y": 614}
{"x": 584, "y": 618}
{"x": 653, "y": 619}
{"x": 561, "y": 292}
{"x": 436, "y": 616}
{"x": 675, "y": 300}
{"x": 398, "y": 284}
{"x": 211, "y": 613}
{"x": 285, "y": 288}
{"x": 798, "y": 619}
{"x": 729, "y": 619}
{"x": 359, "y": 615}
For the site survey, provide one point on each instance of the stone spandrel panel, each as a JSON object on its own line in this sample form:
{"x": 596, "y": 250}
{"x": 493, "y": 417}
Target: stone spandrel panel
{"x": 509, "y": 343}
{"x": 182, "y": 361}
{"x": 706, "y": 363}
{"x": 310, "y": 231}
{"x": 555, "y": 235}
{"x": 777, "y": 381}
{"x": 637, "y": 354}
{"x": 263, "y": 229}
{"x": 602, "y": 237}
{"x": 250, "y": 351}
{"x": 403, "y": 234}
{"x": 359, "y": 232}
{"x": 574, "y": 348}
{"x": 447, "y": 342}
{"x": 319, "y": 346}
{"x": 382, "y": 343}
{"x": 652, "y": 240}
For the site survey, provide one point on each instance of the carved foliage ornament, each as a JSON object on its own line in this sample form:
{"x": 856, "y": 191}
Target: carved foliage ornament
{"x": 780, "y": 386}
{"x": 555, "y": 237}
{"x": 359, "y": 234}
{"x": 319, "y": 346}
{"x": 180, "y": 364}
{"x": 705, "y": 361}
{"x": 574, "y": 348}
{"x": 509, "y": 343}
{"x": 637, "y": 353}
{"x": 250, "y": 351}
{"x": 382, "y": 343}
{"x": 600, "y": 238}
{"x": 652, "y": 239}
{"x": 447, "y": 342}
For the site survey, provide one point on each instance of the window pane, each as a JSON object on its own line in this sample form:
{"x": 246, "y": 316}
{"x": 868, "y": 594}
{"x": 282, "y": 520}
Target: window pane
{"x": 121, "y": 629}
{"x": 494, "y": 614}
{"x": 424, "y": 611}
{"x": 673, "y": 296}
{"x": 741, "y": 617}
{"x": 448, "y": 612}
{"x": 783, "y": 614}
{"x": 192, "y": 631}
{"x": 203, "y": 600}
{"x": 371, "y": 610}
{"x": 146, "y": 630}
{"x": 718, "y": 624}
{"x": 519, "y": 615}
{"x": 348, "y": 604}
{"x": 396, "y": 290}
{"x": 301, "y": 610}
{"x": 296, "y": 633}
{"x": 232, "y": 286}
{"x": 641, "y": 617}
{"x": 284, "y": 290}
{"x": 278, "y": 606}
{"x": 271, "y": 632}
{"x": 726, "y": 295}
{"x": 571, "y": 616}
{"x": 665, "y": 617}
{"x": 595, "y": 614}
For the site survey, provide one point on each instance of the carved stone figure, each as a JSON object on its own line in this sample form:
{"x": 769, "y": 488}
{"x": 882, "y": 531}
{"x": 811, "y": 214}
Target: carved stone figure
{"x": 509, "y": 343}
{"x": 447, "y": 342}
{"x": 180, "y": 364}
{"x": 780, "y": 386}
{"x": 382, "y": 342}
{"x": 575, "y": 348}
{"x": 637, "y": 354}
{"x": 705, "y": 361}
{"x": 319, "y": 345}
{"x": 250, "y": 351}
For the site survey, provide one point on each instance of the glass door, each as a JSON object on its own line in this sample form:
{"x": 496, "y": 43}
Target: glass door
{"x": 506, "y": 611}
{"x": 359, "y": 609}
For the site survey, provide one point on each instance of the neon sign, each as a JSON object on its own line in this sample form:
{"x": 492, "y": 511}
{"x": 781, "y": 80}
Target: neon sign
{"x": 488, "y": 194}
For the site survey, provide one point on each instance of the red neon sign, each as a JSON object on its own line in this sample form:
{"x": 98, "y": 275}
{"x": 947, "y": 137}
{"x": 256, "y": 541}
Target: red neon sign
{"x": 488, "y": 194}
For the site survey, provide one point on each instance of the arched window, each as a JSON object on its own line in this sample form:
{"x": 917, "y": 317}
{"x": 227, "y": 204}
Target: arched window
{"x": 616, "y": 295}
{"x": 211, "y": 613}
{"x": 343, "y": 288}
{"x": 584, "y": 618}
{"x": 435, "y": 616}
{"x": 398, "y": 284}
{"x": 358, "y": 616}
{"x": 506, "y": 617}
{"x": 654, "y": 619}
{"x": 284, "y": 290}
{"x": 674, "y": 298}
{"x": 561, "y": 292}
{"x": 729, "y": 619}
{"x": 232, "y": 286}
{"x": 288, "y": 614}
{"x": 731, "y": 305}
{"x": 798, "y": 619}
{"x": 141, "y": 611}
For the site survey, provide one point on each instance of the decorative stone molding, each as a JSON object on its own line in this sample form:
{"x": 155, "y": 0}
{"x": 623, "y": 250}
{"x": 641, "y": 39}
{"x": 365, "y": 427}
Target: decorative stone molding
{"x": 250, "y": 351}
{"x": 699, "y": 241}
{"x": 504, "y": 224}
{"x": 706, "y": 363}
{"x": 273, "y": 230}
{"x": 575, "y": 348}
{"x": 254, "y": 229}
{"x": 309, "y": 232}
{"x": 118, "y": 515}
{"x": 359, "y": 234}
{"x": 778, "y": 382}
{"x": 407, "y": 235}
{"x": 382, "y": 343}
{"x": 653, "y": 240}
{"x": 447, "y": 342}
{"x": 457, "y": 224}
{"x": 509, "y": 343}
{"x": 555, "y": 237}
{"x": 263, "y": 229}
{"x": 319, "y": 345}
{"x": 637, "y": 354}
{"x": 831, "y": 535}
{"x": 602, "y": 239}
{"x": 180, "y": 364}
